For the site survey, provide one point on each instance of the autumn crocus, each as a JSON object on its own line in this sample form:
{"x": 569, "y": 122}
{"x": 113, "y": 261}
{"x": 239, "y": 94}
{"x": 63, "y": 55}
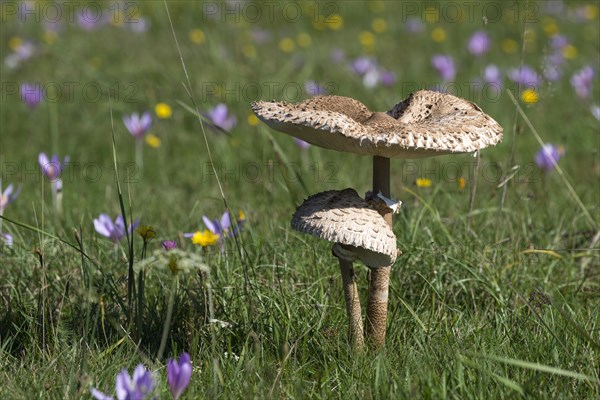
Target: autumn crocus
{"x": 137, "y": 387}
{"x": 7, "y": 196}
{"x": 221, "y": 118}
{"x": 479, "y": 43}
{"x": 548, "y": 156}
{"x": 138, "y": 126}
{"x": 7, "y": 239}
{"x": 31, "y": 94}
{"x": 52, "y": 169}
{"x": 115, "y": 231}
{"x": 525, "y": 76}
{"x": 444, "y": 65}
{"x": 492, "y": 76}
{"x": 179, "y": 374}
{"x": 314, "y": 88}
{"x": 582, "y": 82}
{"x": 217, "y": 231}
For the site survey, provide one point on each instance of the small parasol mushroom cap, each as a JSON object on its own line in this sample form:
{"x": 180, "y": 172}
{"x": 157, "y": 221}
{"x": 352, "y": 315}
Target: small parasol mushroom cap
{"x": 342, "y": 216}
{"x": 426, "y": 124}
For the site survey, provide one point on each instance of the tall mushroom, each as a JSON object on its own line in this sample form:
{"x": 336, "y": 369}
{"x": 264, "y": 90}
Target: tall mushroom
{"x": 425, "y": 124}
{"x": 358, "y": 232}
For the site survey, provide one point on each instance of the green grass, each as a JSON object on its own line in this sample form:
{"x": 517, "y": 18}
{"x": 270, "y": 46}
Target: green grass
{"x": 507, "y": 308}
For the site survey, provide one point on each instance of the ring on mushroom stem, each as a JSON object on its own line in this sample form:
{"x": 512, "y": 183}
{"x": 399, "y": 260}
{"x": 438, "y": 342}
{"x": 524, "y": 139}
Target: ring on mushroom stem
{"x": 425, "y": 124}
{"x": 344, "y": 252}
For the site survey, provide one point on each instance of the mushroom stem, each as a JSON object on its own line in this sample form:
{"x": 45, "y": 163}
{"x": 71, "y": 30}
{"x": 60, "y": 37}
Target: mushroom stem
{"x": 380, "y": 277}
{"x": 353, "y": 309}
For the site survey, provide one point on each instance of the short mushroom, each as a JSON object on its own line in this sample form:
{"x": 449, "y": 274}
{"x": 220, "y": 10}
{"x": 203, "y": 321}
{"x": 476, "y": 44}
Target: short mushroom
{"x": 358, "y": 232}
{"x": 425, "y": 124}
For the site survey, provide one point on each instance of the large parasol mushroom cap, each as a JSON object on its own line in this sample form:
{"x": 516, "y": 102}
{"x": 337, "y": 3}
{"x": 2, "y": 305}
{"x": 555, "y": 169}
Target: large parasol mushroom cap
{"x": 342, "y": 216}
{"x": 426, "y": 124}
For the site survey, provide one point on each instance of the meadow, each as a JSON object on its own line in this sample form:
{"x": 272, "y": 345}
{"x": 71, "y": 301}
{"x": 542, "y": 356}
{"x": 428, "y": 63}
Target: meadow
{"x": 496, "y": 293}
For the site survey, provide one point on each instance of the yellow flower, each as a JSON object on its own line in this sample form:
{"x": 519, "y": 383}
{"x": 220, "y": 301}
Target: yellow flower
{"x": 379, "y": 25}
{"x": 15, "y": 42}
{"x": 253, "y": 120}
{"x": 206, "y": 238}
{"x": 590, "y": 12}
{"x": 241, "y": 216}
{"x": 50, "y": 37}
{"x": 334, "y": 22}
{"x": 529, "y": 96}
{"x": 319, "y": 23}
{"x": 153, "y": 141}
{"x": 163, "y": 110}
{"x": 438, "y": 35}
{"x": 550, "y": 27}
{"x": 569, "y": 51}
{"x": 461, "y": 183}
{"x": 304, "y": 39}
{"x": 147, "y": 233}
{"x": 509, "y": 46}
{"x": 366, "y": 38}
{"x": 287, "y": 45}
{"x": 197, "y": 36}
{"x": 423, "y": 182}
{"x": 249, "y": 50}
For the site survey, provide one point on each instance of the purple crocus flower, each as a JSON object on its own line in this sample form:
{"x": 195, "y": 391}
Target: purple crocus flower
{"x": 479, "y": 43}
{"x": 558, "y": 42}
{"x": 387, "y": 78}
{"x": 221, "y": 227}
{"x": 548, "y": 156}
{"x": 314, "y": 88}
{"x": 220, "y": 117}
{"x": 444, "y": 65}
{"x": 414, "y": 25}
{"x": 552, "y": 72}
{"x": 31, "y": 94}
{"x": 337, "y": 55}
{"x": 52, "y": 168}
{"x": 25, "y": 51}
{"x": 89, "y": 21}
{"x": 555, "y": 7}
{"x": 595, "y": 109}
{"x": 525, "y": 76}
{"x": 582, "y": 81}
{"x": 301, "y": 143}
{"x": 7, "y": 196}
{"x": 137, "y": 125}
{"x": 115, "y": 231}
{"x": 492, "y": 75}
{"x": 169, "y": 245}
{"x": 7, "y": 239}
{"x": 138, "y": 25}
{"x": 179, "y": 374}
{"x": 136, "y": 387}
{"x": 261, "y": 36}
{"x": 362, "y": 65}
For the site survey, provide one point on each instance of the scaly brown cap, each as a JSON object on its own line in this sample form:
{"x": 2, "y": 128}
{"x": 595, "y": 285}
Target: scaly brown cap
{"x": 426, "y": 124}
{"x": 342, "y": 216}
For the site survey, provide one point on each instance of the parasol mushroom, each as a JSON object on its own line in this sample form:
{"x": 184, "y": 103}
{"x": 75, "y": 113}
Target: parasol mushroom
{"x": 425, "y": 124}
{"x": 358, "y": 232}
